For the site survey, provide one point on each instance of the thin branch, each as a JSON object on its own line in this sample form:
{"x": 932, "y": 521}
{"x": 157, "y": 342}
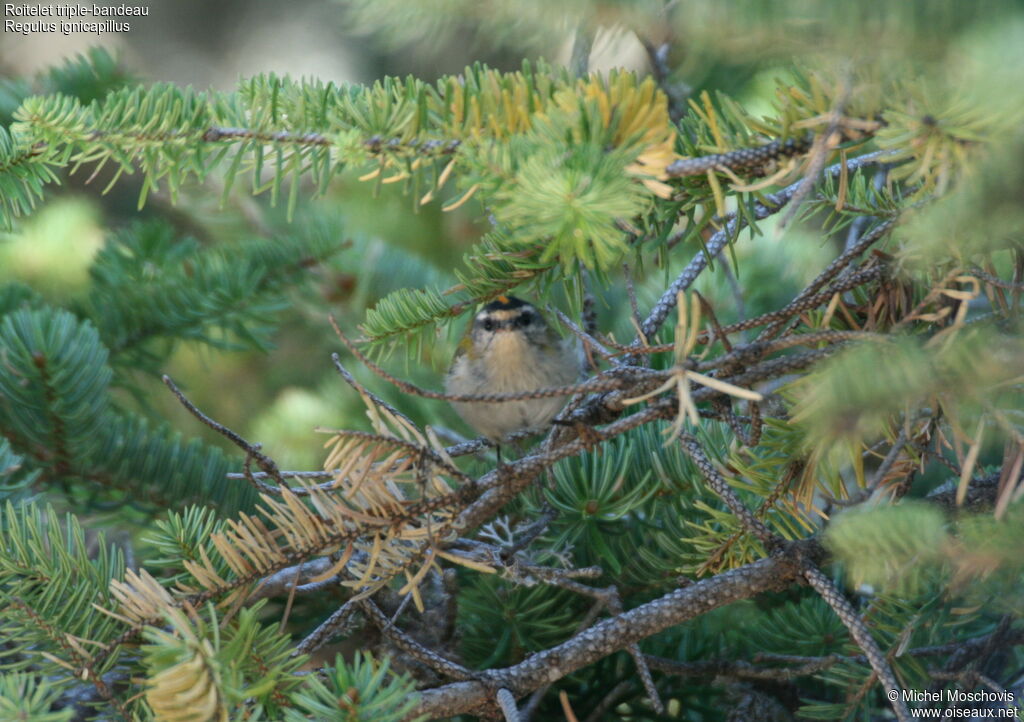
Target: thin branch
{"x": 820, "y": 150}
{"x": 608, "y": 700}
{"x": 720, "y": 486}
{"x": 507, "y": 703}
{"x": 832, "y": 270}
{"x": 773, "y": 204}
{"x": 334, "y": 625}
{"x": 741, "y": 669}
{"x": 603, "y": 382}
{"x": 280, "y": 582}
{"x": 861, "y": 635}
{"x": 588, "y": 340}
{"x": 410, "y": 646}
{"x": 252, "y": 450}
{"x": 879, "y": 475}
{"x": 742, "y": 159}
{"x": 676, "y": 91}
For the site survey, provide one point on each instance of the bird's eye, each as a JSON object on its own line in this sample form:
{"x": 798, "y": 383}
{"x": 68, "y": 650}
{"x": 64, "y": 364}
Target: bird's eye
{"x": 488, "y": 325}
{"x": 525, "y": 319}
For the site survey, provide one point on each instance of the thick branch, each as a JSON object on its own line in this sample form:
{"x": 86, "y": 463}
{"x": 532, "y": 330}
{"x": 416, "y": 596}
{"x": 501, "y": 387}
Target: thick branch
{"x": 615, "y": 633}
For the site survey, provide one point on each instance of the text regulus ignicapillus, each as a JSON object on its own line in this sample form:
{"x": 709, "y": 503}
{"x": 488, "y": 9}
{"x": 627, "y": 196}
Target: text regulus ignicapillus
{"x": 510, "y": 348}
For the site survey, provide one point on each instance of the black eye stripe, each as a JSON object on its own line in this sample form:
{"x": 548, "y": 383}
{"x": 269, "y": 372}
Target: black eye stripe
{"x": 489, "y": 322}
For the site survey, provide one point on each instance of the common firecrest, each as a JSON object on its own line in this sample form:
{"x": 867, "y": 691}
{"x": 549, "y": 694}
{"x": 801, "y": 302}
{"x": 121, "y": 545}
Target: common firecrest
{"x": 510, "y": 348}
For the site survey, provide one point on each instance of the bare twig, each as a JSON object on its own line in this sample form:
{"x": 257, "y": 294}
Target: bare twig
{"x": 334, "y": 624}
{"x": 721, "y": 487}
{"x": 508, "y": 705}
{"x": 410, "y": 646}
{"x": 253, "y": 450}
{"x": 861, "y": 635}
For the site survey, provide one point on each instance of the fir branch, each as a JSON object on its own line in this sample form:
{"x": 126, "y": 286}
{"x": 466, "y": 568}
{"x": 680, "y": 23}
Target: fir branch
{"x": 772, "y": 205}
{"x": 268, "y": 465}
{"x": 28, "y": 697}
{"x": 410, "y": 646}
{"x": 715, "y": 480}
{"x": 742, "y": 159}
{"x": 24, "y": 171}
{"x": 861, "y": 635}
{"x": 616, "y": 633}
{"x": 54, "y": 382}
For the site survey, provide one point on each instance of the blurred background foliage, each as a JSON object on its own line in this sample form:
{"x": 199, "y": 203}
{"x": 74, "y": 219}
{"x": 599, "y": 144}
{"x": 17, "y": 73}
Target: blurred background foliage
{"x": 264, "y": 369}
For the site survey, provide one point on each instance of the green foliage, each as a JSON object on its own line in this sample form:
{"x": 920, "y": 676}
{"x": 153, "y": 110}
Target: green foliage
{"x": 87, "y": 76}
{"x": 24, "y": 171}
{"x": 406, "y": 310}
{"x": 557, "y": 182}
{"x": 743, "y": 31}
{"x": 898, "y": 621}
{"x": 25, "y": 168}
{"x": 626, "y": 508}
{"x": 55, "y": 379}
{"x": 594, "y": 191}
{"x": 854, "y": 394}
{"x": 202, "y": 668}
{"x": 60, "y": 419}
{"x": 532, "y": 618}
{"x": 24, "y": 697}
{"x": 151, "y": 288}
{"x": 949, "y": 226}
{"x": 808, "y": 627}
{"x": 568, "y": 176}
{"x": 152, "y": 465}
{"x": 593, "y": 492}
{"x": 12, "y": 480}
{"x": 363, "y": 690}
{"x": 886, "y": 547}
{"x": 987, "y": 553}
{"x": 50, "y": 580}
{"x": 184, "y": 537}
{"x": 17, "y": 295}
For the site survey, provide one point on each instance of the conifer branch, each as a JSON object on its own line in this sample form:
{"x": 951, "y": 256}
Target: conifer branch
{"x": 251, "y": 450}
{"x": 742, "y": 159}
{"x": 410, "y": 646}
{"x": 863, "y": 367}
{"x": 861, "y": 635}
{"x": 715, "y": 480}
{"x": 771, "y": 205}
{"x": 617, "y": 632}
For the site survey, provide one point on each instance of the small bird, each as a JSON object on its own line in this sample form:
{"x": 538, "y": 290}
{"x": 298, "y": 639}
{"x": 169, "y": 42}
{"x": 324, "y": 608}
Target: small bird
{"x": 510, "y": 348}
